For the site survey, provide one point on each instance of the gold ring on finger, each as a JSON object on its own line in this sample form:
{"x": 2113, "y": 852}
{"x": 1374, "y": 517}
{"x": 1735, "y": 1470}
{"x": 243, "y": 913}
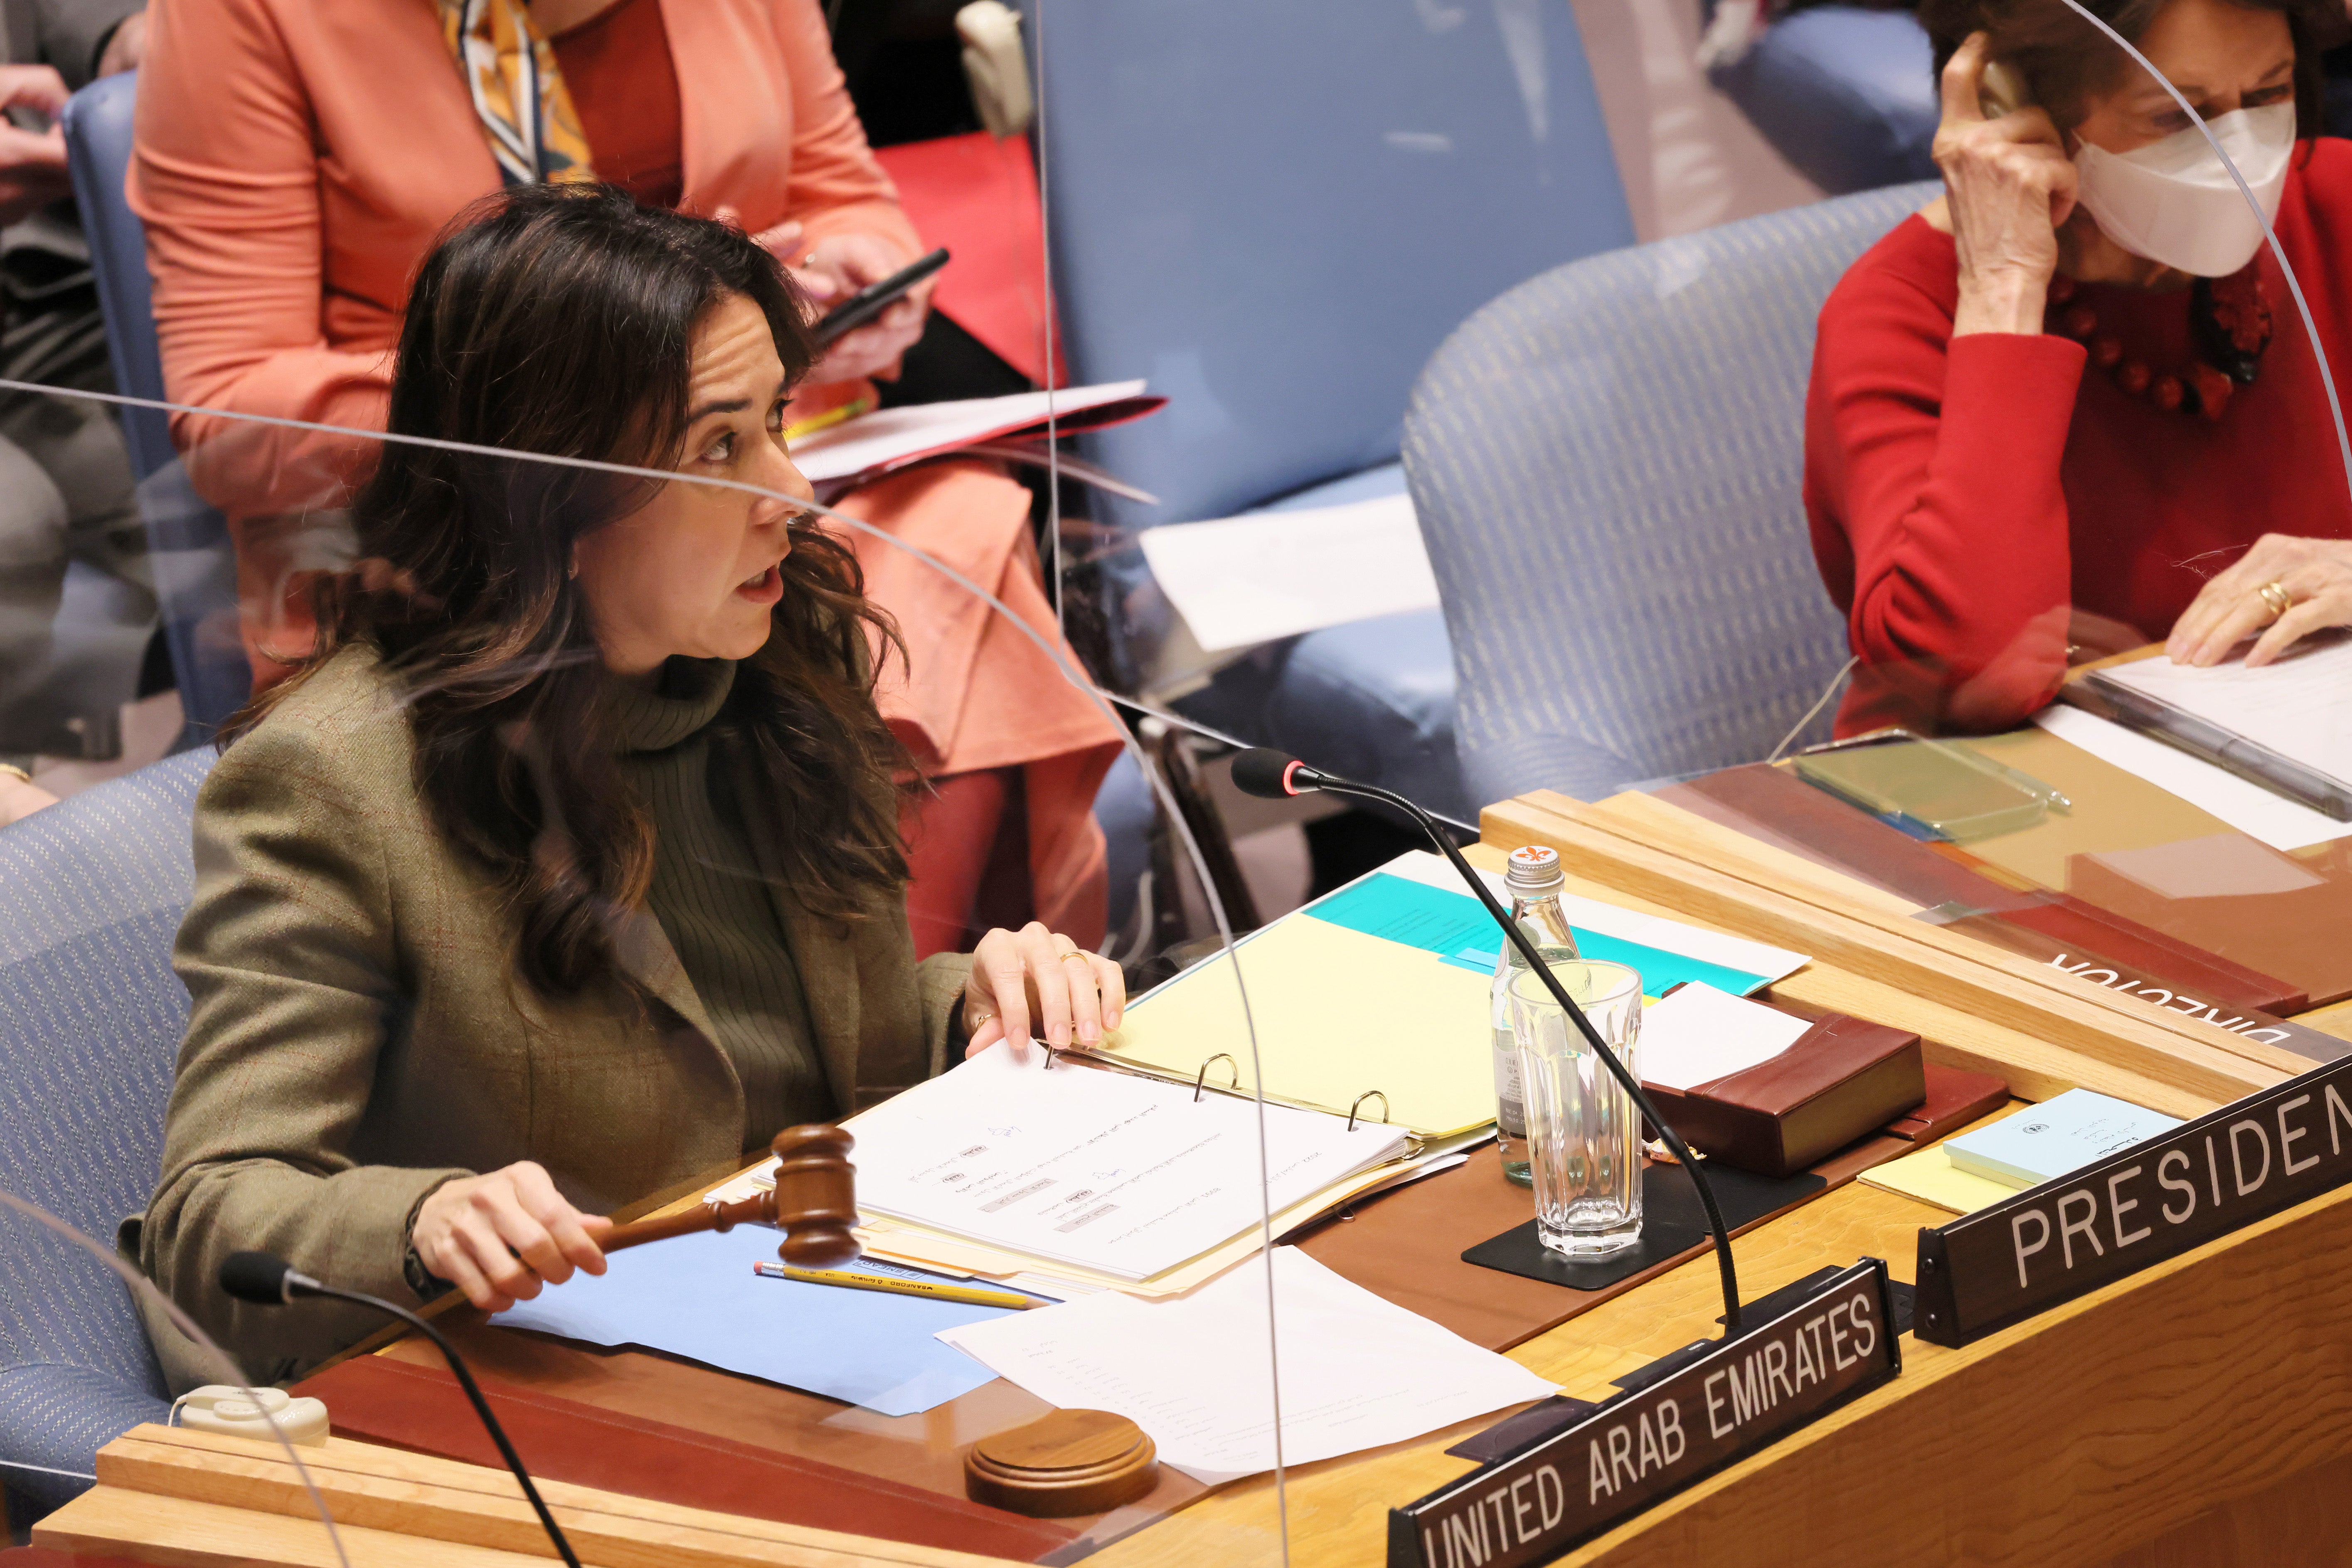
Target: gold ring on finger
{"x": 1081, "y": 957}
{"x": 2274, "y": 595}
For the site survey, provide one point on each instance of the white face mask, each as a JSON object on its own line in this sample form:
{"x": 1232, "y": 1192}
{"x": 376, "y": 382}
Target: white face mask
{"x": 2172, "y": 201}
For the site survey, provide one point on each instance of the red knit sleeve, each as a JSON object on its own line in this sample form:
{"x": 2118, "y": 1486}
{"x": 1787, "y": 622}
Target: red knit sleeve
{"x": 1932, "y": 486}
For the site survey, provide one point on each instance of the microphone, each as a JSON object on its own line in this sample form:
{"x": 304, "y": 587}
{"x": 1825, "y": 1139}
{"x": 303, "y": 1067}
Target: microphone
{"x": 1271, "y": 775}
{"x": 267, "y": 1281}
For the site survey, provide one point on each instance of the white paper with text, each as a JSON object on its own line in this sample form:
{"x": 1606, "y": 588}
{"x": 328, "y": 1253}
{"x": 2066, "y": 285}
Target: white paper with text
{"x": 1122, "y": 1174}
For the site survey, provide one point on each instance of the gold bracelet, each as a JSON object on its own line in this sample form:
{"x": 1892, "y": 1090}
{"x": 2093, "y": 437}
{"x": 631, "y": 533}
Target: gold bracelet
{"x": 13, "y": 770}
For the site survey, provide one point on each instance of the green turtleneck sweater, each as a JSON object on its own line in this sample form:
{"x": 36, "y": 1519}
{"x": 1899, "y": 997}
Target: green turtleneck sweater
{"x": 711, "y": 901}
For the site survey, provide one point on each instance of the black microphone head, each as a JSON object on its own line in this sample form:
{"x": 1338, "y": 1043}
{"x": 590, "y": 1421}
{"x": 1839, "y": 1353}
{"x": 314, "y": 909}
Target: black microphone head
{"x": 256, "y": 1276}
{"x": 1264, "y": 772}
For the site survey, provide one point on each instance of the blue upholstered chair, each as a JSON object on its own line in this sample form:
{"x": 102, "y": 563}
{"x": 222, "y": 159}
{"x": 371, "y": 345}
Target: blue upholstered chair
{"x": 195, "y": 571}
{"x": 91, "y": 892}
{"x": 1276, "y": 212}
{"x": 1846, "y": 93}
{"x": 1607, "y": 464}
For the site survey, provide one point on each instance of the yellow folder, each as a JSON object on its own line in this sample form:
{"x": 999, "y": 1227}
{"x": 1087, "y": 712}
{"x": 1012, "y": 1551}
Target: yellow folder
{"x": 1339, "y": 1016}
{"x": 1932, "y": 1178}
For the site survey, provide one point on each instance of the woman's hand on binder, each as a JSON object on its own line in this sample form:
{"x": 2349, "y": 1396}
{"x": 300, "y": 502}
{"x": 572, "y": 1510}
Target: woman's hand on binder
{"x": 1033, "y": 982}
{"x": 2316, "y": 575}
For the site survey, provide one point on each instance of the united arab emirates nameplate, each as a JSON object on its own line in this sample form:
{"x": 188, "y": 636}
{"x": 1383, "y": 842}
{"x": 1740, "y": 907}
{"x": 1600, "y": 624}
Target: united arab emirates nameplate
{"x": 1741, "y": 1395}
{"x": 2155, "y": 1200}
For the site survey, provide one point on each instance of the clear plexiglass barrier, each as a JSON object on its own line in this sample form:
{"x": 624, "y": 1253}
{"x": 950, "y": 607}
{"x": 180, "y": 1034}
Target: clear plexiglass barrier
{"x": 1453, "y": 397}
{"x": 1519, "y": 435}
{"x": 445, "y": 626}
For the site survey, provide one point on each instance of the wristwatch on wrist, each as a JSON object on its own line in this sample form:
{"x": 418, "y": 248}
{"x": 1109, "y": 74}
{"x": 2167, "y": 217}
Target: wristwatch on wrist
{"x": 421, "y": 1279}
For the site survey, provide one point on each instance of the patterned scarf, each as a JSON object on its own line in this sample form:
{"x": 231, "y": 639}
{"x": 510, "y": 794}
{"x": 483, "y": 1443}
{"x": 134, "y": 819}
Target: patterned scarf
{"x": 517, "y": 91}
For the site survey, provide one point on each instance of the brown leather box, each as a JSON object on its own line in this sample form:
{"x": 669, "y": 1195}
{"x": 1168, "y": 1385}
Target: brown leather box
{"x": 1842, "y": 1079}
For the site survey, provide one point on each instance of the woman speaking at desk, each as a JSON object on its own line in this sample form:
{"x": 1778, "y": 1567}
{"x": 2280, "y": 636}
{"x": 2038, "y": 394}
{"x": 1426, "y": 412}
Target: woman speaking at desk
{"x": 2069, "y": 407}
{"x": 568, "y": 869}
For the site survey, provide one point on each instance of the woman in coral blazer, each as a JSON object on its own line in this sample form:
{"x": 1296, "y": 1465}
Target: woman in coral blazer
{"x": 295, "y": 161}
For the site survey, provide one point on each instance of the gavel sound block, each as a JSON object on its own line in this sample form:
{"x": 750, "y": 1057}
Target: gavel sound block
{"x": 1069, "y": 1462}
{"x": 813, "y": 1203}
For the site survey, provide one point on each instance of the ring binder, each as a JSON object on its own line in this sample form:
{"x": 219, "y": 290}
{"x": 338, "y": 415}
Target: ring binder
{"x": 1418, "y": 1141}
{"x": 1200, "y": 1079}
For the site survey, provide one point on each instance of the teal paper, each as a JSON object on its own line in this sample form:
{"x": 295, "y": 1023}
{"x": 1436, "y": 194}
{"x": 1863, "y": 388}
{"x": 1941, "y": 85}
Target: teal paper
{"x": 1457, "y": 928}
{"x": 1400, "y": 910}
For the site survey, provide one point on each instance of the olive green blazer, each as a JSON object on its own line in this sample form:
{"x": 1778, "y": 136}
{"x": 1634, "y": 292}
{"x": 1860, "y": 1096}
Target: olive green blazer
{"x": 359, "y": 1033}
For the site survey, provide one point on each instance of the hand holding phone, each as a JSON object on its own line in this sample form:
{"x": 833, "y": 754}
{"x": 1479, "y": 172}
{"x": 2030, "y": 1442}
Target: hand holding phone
{"x": 2001, "y": 90}
{"x": 2009, "y": 188}
{"x": 868, "y": 304}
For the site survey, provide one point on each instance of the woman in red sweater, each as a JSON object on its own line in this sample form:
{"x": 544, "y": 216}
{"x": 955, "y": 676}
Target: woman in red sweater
{"x": 2069, "y": 408}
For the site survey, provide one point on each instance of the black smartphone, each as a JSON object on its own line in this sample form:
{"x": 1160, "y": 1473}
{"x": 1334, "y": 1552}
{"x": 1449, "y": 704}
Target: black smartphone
{"x": 874, "y": 298}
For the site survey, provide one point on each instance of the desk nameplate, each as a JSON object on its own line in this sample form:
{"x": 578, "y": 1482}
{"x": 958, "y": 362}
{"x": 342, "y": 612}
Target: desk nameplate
{"x": 1640, "y": 1447}
{"x": 2155, "y": 1200}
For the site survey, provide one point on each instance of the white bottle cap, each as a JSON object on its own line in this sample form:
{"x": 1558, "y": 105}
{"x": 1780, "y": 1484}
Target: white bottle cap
{"x": 1534, "y": 868}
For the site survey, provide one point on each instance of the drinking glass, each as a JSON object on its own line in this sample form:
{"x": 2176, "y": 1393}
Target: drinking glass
{"x": 1584, "y": 1135}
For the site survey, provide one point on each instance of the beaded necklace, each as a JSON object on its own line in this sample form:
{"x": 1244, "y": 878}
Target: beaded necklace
{"x": 2230, "y": 319}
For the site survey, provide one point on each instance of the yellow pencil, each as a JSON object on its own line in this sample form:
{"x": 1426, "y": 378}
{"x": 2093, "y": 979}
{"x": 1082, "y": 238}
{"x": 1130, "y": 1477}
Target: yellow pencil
{"x": 967, "y": 1294}
{"x": 828, "y": 419}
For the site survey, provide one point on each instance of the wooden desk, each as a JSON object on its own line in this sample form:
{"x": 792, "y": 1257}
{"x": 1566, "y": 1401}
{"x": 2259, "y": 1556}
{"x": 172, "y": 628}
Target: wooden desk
{"x": 2199, "y": 1413}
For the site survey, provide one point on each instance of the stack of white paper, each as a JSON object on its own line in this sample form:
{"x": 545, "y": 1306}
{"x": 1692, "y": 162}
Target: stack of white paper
{"x": 1121, "y": 1174}
{"x": 1700, "y": 1034}
{"x": 1357, "y": 1371}
{"x": 1241, "y": 581}
{"x": 2300, "y": 707}
{"x": 2258, "y": 813}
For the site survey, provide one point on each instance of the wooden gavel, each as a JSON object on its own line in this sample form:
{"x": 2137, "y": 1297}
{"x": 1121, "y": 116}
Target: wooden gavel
{"x": 813, "y": 1203}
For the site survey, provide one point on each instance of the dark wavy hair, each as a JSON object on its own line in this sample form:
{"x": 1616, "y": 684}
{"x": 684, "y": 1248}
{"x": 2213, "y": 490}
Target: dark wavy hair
{"x": 2066, "y": 62}
{"x": 559, "y": 320}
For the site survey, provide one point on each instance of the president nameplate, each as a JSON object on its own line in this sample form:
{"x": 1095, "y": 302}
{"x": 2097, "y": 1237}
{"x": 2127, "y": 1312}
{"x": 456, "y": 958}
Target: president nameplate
{"x": 1643, "y": 1447}
{"x": 2158, "y": 1199}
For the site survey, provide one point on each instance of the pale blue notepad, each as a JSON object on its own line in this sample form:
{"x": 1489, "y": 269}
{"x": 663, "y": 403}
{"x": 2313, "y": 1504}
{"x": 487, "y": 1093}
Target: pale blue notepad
{"x": 696, "y": 1296}
{"x": 2065, "y": 1132}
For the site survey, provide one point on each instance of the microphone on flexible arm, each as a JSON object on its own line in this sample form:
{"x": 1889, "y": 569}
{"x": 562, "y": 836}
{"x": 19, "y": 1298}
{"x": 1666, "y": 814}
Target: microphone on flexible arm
{"x": 267, "y": 1281}
{"x": 1271, "y": 775}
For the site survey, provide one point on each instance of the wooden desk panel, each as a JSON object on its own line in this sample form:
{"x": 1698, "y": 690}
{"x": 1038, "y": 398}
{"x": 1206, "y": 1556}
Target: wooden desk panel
{"x": 924, "y": 1450}
{"x": 2334, "y": 1019}
{"x": 2304, "y": 1518}
{"x": 2157, "y": 1412}
{"x": 2171, "y": 1418}
{"x": 2117, "y": 1418}
{"x": 2113, "y": 809}
{"x": 2067, "y": 1031}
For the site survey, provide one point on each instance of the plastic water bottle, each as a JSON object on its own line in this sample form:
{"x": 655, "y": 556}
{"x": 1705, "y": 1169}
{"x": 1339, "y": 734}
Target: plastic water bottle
{"x": 1534, "y": 882}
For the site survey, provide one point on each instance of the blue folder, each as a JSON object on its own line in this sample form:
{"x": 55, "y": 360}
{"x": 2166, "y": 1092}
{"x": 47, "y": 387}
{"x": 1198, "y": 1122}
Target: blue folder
{"x": 696, "y": 1296}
